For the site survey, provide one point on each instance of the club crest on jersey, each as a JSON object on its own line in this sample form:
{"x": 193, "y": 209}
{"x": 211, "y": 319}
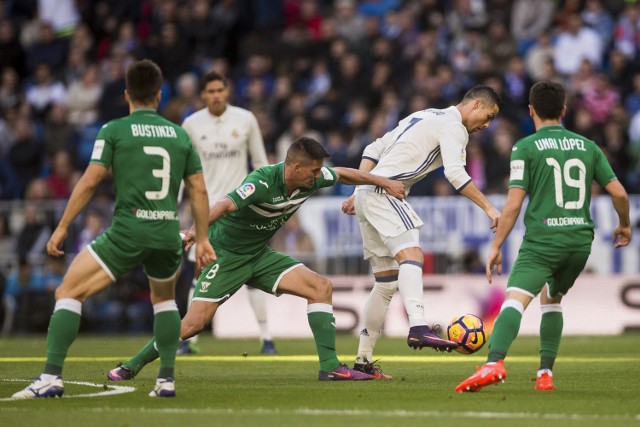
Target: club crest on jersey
{"x": 327, "y": 175}
{"x": 235, "y": 133}
{"x": 204, "y": 286}
{"x": 246, "y": 190}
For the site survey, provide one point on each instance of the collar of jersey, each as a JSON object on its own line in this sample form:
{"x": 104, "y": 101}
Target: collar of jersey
{"x": 283, "y": 182}
{"x": 553, "y": 126}
{"x": 144, "y": 110}
{"x": 222, "y": 116}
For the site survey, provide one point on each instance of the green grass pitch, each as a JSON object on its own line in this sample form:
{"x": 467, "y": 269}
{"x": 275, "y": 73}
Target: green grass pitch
{"x": 598, "y": 381}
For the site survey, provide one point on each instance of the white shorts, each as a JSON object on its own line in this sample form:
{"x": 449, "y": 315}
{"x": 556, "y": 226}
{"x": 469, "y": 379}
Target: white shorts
{"x": 387, "y": 224}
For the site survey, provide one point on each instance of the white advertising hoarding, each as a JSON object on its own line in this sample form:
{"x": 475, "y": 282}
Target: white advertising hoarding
{"x": 596, "y": 305}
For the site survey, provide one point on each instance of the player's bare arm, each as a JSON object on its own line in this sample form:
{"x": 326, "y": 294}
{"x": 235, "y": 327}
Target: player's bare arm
{"x": 356, "y": 177}
{"x": 205, "y": 254}
{"x": 219, "y": 209}
{"x": 471, "y": 192}
{"x": 81, "y": 195}
{"x": 348, "y": 206}
{"x": 620, "y": 200}
{"x": 510, "y": 212}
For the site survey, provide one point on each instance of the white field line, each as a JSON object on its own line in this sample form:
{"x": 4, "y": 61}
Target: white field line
{"x": 349, "y": 413}
{"x": 109, "y": 389}
{"x": 313, "y": 358}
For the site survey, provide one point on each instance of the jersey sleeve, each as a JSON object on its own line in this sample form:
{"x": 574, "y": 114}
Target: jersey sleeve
{"x": 603, "y": 173}
{"x": 453, "y": 144}
{"x": 328, "y": 177}
{"x": 103, "y": 147}
{"x": 256, "y": 145}
{"x": 374, "y": 150}
{"x": 250, "y": 192}
{"x": 520, "y": 168}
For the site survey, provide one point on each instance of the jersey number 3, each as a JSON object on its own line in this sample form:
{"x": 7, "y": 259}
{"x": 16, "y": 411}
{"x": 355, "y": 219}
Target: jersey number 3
{"x": 164, "y": 174}
{"x": 562, "y": 175}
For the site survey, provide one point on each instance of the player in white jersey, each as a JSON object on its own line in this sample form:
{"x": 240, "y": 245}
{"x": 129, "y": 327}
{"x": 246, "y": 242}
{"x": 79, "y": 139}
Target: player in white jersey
{"x": 225, "y": 137}
{"x": 420, "y": 144}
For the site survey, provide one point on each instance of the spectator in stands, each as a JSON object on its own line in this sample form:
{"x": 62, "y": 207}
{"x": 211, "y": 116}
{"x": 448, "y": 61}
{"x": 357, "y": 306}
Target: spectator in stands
{"x": 45, "y": 91}
{"x": 530, "y": 19}
{"x": 25, "y": 296}
{"x": 83, "y": 97}
{"x": 94, "y": 225}
{"x": 576, "y": 43}
{"x": 47, "y": 49}
{"x": 600, "y": 20}
{"x": 33, "y": 235}
{"x": 112, "y": 103}
{"x": 11, "y": 95}
{"x": 24, "y": 156}
{"x": 11, "y": 52}
{"x": 298, "y": 128}
{"x": 600, "y": 99}
{"x": 59, "y": 133}
{"x": 293, "y": 240}
{"x": 539, "y": 54}
{"x": 59, "y": 179}
{"x": 627, "y": 31}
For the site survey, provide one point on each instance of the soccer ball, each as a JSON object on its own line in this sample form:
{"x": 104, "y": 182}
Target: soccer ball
{"x": 468, "y": 331}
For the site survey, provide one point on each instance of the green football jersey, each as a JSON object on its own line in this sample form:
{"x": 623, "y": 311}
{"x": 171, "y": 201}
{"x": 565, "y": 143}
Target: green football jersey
{"x": 264, "y": 205}
{"x": 149, "y": 157}
{"x": 556, "y": 167}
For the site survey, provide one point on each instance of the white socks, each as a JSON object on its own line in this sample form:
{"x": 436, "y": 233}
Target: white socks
{"x": 258, "y": 301}
{"x": 375, "y": 311}
{"x": 410, "y": 287}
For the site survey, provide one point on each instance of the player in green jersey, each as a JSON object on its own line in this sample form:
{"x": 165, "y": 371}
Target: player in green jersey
{"x": 241, "y": 225}
{"x": 149, "y": 157}
{"x": 555, "y": 168}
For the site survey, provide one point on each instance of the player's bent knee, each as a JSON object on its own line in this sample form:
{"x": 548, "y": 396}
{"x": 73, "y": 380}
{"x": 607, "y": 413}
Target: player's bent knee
{"x": 321, "y": 290}
{"x": 197, "y": 318}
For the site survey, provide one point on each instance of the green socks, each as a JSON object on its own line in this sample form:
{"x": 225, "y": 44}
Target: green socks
{"x": 323, "y": 326}
{"x": 550, "y": 333}
{"x": 166, "y": 331}
{"x": 504, "y": 332}
{"x": 63, "y": 329}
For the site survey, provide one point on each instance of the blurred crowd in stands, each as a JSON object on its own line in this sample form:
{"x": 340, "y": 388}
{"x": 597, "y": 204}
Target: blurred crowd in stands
{"x": 341, "y": 71}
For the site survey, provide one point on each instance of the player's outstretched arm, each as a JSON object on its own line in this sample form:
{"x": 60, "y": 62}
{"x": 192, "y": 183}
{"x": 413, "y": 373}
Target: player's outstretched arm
{"x": 471, "y": 192}
{"x": 510, "y": 212}
{"x": 620, "y": 200}
{"x": 356, "y": 177}
{"x": 348, "y": 206}
{"x": 80, "y": 196}
{"x": 205, "y": 254}
{"x": 220, "y": 208}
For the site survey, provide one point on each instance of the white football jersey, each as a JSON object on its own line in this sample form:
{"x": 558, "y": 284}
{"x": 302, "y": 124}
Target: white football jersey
{"x": 421, "y": 143}
{"x": 225, "y": 144}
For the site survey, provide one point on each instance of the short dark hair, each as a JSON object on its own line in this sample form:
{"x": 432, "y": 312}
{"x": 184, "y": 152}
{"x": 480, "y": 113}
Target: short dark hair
{"x": 144, "y": 80}
{"x": 486, "y": 94}
{"x": 212, "y": 76}
{"x": 304, "y": 150}
{"x": 547, "y": 99}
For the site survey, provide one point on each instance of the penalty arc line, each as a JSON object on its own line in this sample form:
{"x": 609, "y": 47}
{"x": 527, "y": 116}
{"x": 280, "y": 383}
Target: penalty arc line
{"x": 114, "y": 389}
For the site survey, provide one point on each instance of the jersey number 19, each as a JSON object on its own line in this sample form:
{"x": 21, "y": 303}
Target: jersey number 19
{"x": 562, "y": 176}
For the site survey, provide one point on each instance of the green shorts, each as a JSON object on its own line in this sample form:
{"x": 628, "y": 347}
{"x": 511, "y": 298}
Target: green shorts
{"x": 534, "y": 267}
{"x": 118, "y": 255}
{"x": 263, "y": 271}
